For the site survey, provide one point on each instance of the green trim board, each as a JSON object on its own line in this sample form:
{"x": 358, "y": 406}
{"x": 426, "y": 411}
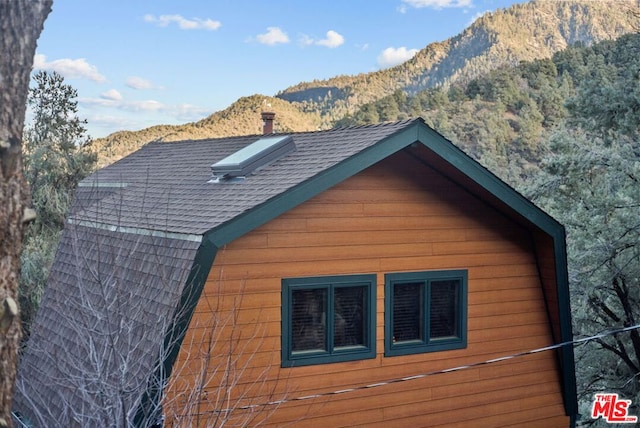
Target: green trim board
{"x": 328, "y": 319}
{"x": 567, "y": 359}
{"x": 487, "y": 180}
{"x": 326, "y": 179}
{"x": 417, "y": 132}
{"x": 151, "y": 400}
{"x": 425, "y": 312}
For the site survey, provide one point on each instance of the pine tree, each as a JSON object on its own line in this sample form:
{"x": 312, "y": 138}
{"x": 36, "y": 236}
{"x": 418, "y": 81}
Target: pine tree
{"x": 57, "y": 156}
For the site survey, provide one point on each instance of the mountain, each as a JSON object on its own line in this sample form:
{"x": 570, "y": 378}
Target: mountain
{"x": 506, "y": 37}
{"x": 241, "y": 118}
{"x": 522, "y": 32}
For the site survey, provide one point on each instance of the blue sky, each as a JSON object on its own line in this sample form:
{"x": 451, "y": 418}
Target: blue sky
{"x": 141, "y": 63}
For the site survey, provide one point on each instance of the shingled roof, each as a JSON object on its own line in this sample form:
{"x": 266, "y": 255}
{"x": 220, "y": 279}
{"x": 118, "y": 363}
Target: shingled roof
{"x": 169, "y": 182}
{"x": 143, "y": 235}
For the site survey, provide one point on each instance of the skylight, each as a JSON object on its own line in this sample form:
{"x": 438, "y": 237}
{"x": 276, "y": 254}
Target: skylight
{"x": 256, "y": 155}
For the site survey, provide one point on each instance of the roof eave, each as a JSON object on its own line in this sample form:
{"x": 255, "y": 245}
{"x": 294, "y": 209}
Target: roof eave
{"x": 261, "y": 214}
{"x": 538, "y": 219}
{"x": 418, "y": 132}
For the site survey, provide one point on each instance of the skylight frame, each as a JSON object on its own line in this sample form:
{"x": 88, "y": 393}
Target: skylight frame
{"x": 252, "y": 157}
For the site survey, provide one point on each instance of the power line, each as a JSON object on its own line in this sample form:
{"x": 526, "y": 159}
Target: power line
{"x": 435, "y": 372}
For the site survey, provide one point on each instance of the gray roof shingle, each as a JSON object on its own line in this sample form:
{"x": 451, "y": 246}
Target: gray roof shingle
{"x": 109, "y": 301}
{"x": 125, "y": 258}
{"x": 167, "y": 186}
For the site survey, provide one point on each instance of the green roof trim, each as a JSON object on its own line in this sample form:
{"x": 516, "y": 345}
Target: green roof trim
{"x": 487, "y": 180}
{"x": 174, "y": 337}
{"x": 417, "y": 132}
{"x": 328, "y": 178}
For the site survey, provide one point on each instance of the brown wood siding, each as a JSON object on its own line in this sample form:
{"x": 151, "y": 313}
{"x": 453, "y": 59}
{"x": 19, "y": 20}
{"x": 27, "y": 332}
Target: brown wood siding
{"x": 393, "y": 217}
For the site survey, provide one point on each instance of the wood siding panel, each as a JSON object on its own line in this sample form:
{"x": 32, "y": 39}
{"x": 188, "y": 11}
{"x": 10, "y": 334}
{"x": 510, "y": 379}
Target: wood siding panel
{"x": 396, "y": 216}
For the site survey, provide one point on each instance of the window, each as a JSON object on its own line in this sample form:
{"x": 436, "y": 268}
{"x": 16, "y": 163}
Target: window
{"x": 348, "y": 302}
{"x": 425, "y": 311}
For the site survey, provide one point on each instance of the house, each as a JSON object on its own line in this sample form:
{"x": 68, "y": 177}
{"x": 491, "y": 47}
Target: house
{"x": 352, "y": 277}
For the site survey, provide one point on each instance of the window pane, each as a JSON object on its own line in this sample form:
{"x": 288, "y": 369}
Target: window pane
{"x": 349, "y": 316}
{"x": 407, "y": 312}
{"x": 308, "y": 318}
{"x": 444, "y": 309}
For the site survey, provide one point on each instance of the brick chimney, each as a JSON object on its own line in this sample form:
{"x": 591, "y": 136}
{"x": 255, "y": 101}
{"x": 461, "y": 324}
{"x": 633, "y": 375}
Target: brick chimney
{"x": 267, "y": 122}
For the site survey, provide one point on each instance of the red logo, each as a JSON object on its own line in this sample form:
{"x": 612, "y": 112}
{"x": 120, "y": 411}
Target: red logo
{"x": 612, "y": 409}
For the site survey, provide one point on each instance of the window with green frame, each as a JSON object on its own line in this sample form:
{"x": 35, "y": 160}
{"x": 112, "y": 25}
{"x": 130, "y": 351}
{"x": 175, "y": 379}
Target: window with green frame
{"x": 425, "y": 311}
{"x": 348, "y": 302}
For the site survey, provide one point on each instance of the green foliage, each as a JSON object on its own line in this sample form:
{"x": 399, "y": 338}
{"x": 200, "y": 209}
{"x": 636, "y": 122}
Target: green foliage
{"x": 591, "y": 183}
{"x": 578, "y": 115}
{"x": 55, "y": 153}
{"x": 499, "y": 40}
{"x": 38, "y": 251}
{"x": 56, "y": 158}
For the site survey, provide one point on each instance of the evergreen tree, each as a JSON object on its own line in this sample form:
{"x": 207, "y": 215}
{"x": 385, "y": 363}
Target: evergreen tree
{"x": 57, "y": 155}
{"x": 591, "y": 183}
{"x": 56, "y": 158}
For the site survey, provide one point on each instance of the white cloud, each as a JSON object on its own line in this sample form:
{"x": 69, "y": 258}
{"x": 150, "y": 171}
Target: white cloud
{"x": 183, "y": 23}
{"x": 333, "y": 40}
{"x": 111, "y": 123}
{"x": 306, "y": 40}
{"x": 179, "y": 111}
{"x": 136, "y": 82}
{"x": 111, "y": 94}
{"x": 135, "y": 106}
{"x": 394, "y": 56}
{"x": 69, "y": 68}
{"x": 435, "y": 4}
{"x": 273, "y": 36}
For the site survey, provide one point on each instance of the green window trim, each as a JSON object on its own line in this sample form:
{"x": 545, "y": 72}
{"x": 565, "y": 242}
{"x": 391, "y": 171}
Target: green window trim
{"x": 306, "y": 305}
{"x": 425, "y": 312}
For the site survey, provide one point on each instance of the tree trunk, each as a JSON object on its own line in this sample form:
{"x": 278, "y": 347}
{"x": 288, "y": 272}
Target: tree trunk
{"x": 21, "y": 23}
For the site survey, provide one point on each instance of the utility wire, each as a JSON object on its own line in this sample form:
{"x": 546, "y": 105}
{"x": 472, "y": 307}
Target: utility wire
{"x": 435, "y": 372}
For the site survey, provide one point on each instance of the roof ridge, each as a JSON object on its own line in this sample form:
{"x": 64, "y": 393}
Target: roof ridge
{"x": 380, "y": 124}
{"x": 275, "y": 134}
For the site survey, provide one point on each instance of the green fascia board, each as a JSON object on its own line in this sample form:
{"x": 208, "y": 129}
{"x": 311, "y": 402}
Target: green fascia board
{"x": 300, "y": 193}
{"x": 566, "y": 329}
{"x": 418, "y": 132}
{"x": 174, "y": 337}
{"x": 487, "y": 180}
{"x": 537, "y": 217}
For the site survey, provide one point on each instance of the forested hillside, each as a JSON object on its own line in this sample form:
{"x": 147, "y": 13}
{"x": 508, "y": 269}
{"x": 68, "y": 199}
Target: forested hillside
{"x": 241, "y": 118}
{"x": 502, "y": 117}
{"x": 504, "y": 38}
{"x": 522, "y": 32}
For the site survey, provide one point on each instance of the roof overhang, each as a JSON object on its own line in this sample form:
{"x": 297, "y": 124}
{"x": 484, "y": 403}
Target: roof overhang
{"x": 444, "y": 156}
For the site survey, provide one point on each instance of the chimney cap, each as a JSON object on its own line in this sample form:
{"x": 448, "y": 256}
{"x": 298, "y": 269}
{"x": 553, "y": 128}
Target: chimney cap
{"x": 267, "y": 122}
